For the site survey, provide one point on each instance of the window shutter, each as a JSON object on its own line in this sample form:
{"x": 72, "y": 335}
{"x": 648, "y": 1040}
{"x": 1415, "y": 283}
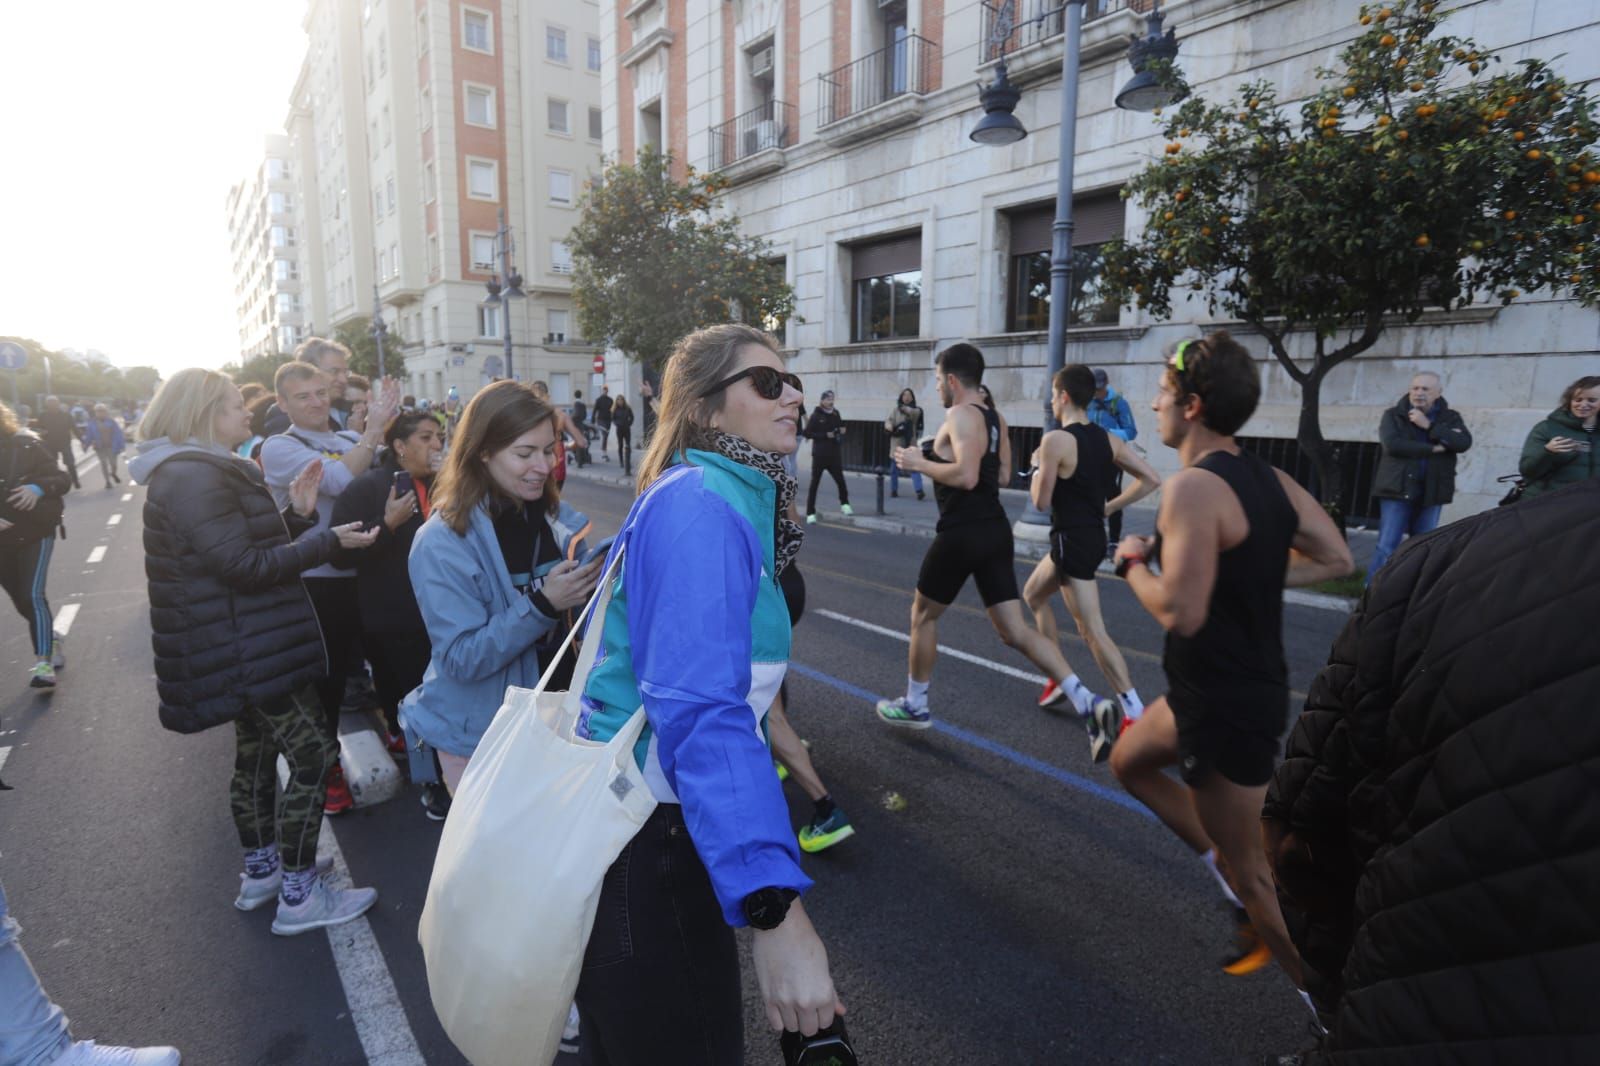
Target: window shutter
{"x": 1095, "y": 220}
{"x": 897, "y": 255}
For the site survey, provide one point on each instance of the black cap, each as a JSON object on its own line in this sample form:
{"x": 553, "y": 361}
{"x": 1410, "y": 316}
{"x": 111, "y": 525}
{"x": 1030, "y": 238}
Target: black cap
{"x": 1099, "y": 378}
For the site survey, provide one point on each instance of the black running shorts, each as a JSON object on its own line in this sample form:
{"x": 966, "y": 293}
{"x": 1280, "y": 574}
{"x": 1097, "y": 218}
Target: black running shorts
{"x": 980, "y": 550}
{"x": 1077, "y": 552}
{"x": 1242, "y": 743}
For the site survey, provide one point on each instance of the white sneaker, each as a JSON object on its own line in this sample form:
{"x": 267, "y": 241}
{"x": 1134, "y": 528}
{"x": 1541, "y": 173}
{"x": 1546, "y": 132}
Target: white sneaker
{"x": 811, "y": 519}
{"x": 88, "y": 1053}
{"x": 569, "y": 1035}
{"x": 259, "y": 891}
{"x": 846, "y": 509}
{"x": 324, "y": 907}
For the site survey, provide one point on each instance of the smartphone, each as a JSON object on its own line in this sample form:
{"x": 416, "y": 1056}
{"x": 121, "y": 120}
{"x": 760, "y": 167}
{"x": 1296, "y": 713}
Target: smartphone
{"x": 828, "y": 1047}
{"x": 403, "y": 484}
{"x": 598, "y": 551}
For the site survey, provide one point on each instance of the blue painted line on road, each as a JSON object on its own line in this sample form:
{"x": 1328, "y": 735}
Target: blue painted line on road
{"x": 982, "y": 743}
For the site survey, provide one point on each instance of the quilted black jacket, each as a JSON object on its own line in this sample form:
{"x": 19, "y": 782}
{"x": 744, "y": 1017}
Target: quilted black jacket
{"x": 1435, "y": 828}
{"x": 231, "y": 623}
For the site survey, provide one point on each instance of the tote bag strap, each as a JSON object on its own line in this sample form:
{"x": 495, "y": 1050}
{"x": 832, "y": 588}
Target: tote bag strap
{"x": 596, "y": 607}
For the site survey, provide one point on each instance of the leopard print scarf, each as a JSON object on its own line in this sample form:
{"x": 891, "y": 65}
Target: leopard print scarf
{"x": 789, "y": 533}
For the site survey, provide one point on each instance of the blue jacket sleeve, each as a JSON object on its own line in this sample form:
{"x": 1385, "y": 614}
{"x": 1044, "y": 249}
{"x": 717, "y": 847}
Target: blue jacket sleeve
{"x": 691, "y": 574}
{"x": 470, "y": 641}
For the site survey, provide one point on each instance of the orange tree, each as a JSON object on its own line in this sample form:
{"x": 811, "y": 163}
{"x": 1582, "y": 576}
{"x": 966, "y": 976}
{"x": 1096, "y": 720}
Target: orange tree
{"x": 1422, "y": 173}
{"x": 653, "y": 259}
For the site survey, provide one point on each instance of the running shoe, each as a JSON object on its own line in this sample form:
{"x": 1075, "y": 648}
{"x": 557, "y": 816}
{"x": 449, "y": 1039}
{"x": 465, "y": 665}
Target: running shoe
{"x": 900, "y": 712}
{"x": 846, "y": 509}
{"x": 1053, "y": 695}
{"x": 43, "y": 675}
{"x": 324, "y": 907}
{"x": 258, "y": 891}
{"x": 436, "y": 801}
{"x": 811, "y": 519}
{"x": 1105, "y": 726}
{"x": 820, "y": 836}
{"x": 339, "y": 798}
{"x": 88, "y": 1053}
{"x": 58, "y": 650}
{"x": 395, "y": 743}
{"x": 569, "y": 1035}
{"x": 1249, "y": 952}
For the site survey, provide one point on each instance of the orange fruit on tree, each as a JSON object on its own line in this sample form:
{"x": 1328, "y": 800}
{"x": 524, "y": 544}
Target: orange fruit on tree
{"x": 1518, "y": 136}
{"x": 1510, "y": 216}
{"x": 1401, "y": 63}
{"x": 1386, "y": 13}
{"x": 1348, "y": 91}
{"x": 1366, "y": 20}
{"x": 1591, "y": 177}
{"x": 1168, "y": 216}
{"x": 1422, "y": 241}
{"x": 1416, "y": 86}
{"x": 1534, "y": 153}
{"x": 1577, "y": 220}
{"x": 1387, "y": 40}
{"x": 1403, "y": 135}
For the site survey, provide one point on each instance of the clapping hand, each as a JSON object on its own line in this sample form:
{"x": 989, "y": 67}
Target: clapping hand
{"x": 23, "y": 498}
{"x": 350, "y": 535}
{"x": 303, "y": 489}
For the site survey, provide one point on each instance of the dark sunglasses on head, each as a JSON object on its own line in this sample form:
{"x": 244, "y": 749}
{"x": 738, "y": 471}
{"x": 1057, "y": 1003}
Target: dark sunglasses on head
{"x": 768, "y": 382}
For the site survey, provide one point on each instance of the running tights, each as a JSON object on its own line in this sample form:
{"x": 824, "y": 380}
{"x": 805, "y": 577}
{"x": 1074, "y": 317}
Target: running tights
{"x": 23, "y": 568}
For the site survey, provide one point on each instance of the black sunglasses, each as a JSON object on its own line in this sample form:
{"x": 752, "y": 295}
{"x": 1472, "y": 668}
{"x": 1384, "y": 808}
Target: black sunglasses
{"x": 768, "y": 382}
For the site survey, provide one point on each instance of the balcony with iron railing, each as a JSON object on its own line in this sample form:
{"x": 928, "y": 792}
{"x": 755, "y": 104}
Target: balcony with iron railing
{"x": 752, "y": 144}
{"x": 1033, "y": 46}
{"x": 879, "y": 91}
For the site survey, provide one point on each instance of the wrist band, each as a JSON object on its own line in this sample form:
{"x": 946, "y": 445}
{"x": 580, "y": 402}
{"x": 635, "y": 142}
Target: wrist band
{"x": 1128, "y": 564}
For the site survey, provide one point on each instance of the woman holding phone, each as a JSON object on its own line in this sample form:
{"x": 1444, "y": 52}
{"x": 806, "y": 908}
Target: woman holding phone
{"x": 495, "y": 570}
{"x": 394, "y": 498}
{"x": 1564, "y": 449}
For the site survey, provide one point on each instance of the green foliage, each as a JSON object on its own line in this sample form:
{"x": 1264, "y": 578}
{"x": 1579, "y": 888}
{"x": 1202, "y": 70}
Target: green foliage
{"x": 259, "y": 369}
{"x": 1420, "y": 175}
{"x": 69, "y": 379}
{"x": 653, "y": 260}
{"x": 357, "y": 336}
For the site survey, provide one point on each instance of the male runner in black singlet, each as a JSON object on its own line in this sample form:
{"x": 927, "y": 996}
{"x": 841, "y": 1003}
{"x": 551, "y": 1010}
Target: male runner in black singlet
{"x": 1075, "y": 471}
{"x": 974, "y": 536}
{"x": 1232, "y": 532}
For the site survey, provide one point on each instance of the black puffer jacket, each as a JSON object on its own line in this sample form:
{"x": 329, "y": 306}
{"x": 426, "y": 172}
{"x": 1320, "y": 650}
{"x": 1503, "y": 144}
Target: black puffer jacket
{"x": 231, "y": 623}
{"x": 1435, "y": 828}
{"x": 25, "y": 460}
{"x": 383, "y": 579}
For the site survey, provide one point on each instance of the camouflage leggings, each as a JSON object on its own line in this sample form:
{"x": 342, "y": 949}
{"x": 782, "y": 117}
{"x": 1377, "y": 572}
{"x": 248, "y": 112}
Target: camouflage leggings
{"x": 295, "y": 727}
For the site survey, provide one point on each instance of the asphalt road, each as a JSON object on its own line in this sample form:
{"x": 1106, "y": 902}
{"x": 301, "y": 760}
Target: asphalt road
{"x": 1018, "y": 909}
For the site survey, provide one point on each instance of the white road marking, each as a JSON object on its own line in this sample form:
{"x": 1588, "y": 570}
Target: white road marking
{"x": 944, "y": 649}
{"x": 380, "y": 1020}
{"x": 65, "y": 616}
{"x": 113, "y": 520}
{"x": 126, "y": 496}
{"x": 98, "y": 554}
{"x": 5, "y": 753}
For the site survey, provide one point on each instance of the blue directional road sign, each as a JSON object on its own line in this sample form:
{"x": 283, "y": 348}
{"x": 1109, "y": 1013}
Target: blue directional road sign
{"x": 12, "y": 356}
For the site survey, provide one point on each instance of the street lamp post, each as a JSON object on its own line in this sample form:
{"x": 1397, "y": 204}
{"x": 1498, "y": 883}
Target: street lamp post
{"x": 380, "y": 328}
{"x": 999, "y": 126}
{"x": 505, "y": 286}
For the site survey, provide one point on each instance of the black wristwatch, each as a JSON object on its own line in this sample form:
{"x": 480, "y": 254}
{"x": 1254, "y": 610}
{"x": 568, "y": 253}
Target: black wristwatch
{"x": 1128, "y": 563}
{"x": 766, "y": 908}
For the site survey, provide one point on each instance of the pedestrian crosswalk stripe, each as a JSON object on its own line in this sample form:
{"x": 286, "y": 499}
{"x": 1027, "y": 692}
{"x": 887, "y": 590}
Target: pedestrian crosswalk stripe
{"x": 113, "y": 520}
{"x": 98, "y": 553}
{"x": 65, "y": 616}
{"x": 126, "y": 496}
{"x": 5, "y": 753}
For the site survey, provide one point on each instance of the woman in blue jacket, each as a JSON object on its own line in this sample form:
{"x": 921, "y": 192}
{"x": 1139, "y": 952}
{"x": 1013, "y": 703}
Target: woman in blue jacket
{"x": 494, "y": 570}
{"x": 698, "y": 634}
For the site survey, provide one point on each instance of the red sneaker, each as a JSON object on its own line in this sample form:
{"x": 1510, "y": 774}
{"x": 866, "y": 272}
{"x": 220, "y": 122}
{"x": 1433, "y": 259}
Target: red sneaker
{"x": 396, "y": 743}
{"x": 339, "y": 798}
{"x": 1051, "y": 694}
{"x": 1127, "y": 723}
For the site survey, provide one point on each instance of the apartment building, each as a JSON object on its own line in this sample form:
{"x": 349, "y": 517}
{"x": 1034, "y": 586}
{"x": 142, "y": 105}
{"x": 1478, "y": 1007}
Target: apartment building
{"x": 266, "y": 253}
{"x": 843, "y": 126}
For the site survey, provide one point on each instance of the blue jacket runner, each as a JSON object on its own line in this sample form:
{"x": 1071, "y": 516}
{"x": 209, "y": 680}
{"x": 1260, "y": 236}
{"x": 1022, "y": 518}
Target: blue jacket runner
{"x": 1113, "y": 415}
{"x": 698, "y": 633}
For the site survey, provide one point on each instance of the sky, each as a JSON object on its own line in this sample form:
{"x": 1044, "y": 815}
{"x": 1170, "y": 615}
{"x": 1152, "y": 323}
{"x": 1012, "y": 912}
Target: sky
{"x": 122, "y": 128}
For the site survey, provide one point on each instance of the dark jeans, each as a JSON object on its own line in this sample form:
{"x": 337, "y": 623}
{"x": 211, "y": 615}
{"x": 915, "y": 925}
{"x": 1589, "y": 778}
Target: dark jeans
{"x": 625, "y": 448}
{"x": 660, "y": 982}
{"x": 1398, "y": 519}
{"x": 339, "y": 615}
{"x": 1114, "y": 522}
{"x": 604, "y": 426}
{"x": 62, "y": 453}
{"x": 399, "y": 659}
{"x": 23, "y": 570}
{"x": 834, "y": 466}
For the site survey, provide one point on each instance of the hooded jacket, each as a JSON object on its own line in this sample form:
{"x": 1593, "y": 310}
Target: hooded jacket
{"x": 25, "y": 460}
{"x": 1434, "y": 829}
{"x": 1546, "y": 471}
{"x": 1410, "y": 469}
{"x": 230, "y": 621}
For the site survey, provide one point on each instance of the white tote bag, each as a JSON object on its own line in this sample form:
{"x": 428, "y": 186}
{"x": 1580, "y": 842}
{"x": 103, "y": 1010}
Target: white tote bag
{"x": 539, "y": 817}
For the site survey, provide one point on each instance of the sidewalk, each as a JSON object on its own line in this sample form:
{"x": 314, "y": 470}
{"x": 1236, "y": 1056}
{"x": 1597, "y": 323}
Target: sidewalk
{"x": 909, "y": 516}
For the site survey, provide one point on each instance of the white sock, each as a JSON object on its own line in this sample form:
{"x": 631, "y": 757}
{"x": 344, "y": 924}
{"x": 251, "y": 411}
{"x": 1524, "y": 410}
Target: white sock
{"x": 1082, "y": 699}
{"x": 916, "y": 692}
{"x": 1132, "y": 705}
{"x": 1210, "y": 859}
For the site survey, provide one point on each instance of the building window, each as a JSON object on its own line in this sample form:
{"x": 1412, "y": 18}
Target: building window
{"x": 433, "y": 268}
{"x": 422, "y": 33}
{"x": 388, "y": 127}
{"x": 277, "y": 169}
{"x": 377, "y": 200}
{"x": 649, "y": 126}
{"x": 480, "y": 106}
{"x": 488, "y": 321}
{"x": 597, "y": 123}
{"x": 555, "y": 44}
{"x": 394, "y": 260}
{"x": 559, "y": 120}
{"x": 561, "y": 187}
{"x": 374, "y": 140}
{"x": 476, "y": 31}
{"x": 388, "y": 190}
{"x": 371, "y": 75}
{"x": 286, "y": 270}
{"x": 430, "y": 183}
{"x": 483, "y": 252}
{"x": 383, "y": 265}
{"x": 483, "y": 179}
{"x": 558, "y": 325}
{"x": 279, "y": 203}
{"x": 560, "y": 257}
{"x": 1096, "y": 219}
{"x": 886, "y": 297}
{"x": 594, "y": 54}
{"x": 383, "y": 52}
{"x": 425, "y": 107}
{"x": 283, "y": 236}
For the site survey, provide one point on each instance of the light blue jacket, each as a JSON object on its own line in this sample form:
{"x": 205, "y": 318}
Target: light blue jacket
{"x": 698, "y": 632}
{"x": 482, "y": 628}
{"x": 1113, "y": 415}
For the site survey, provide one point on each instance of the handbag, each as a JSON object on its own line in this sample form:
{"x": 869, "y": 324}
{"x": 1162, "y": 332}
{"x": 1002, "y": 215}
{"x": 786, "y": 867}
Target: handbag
{"x": 1517, "y": 489}
{"x": 540, "y": 816}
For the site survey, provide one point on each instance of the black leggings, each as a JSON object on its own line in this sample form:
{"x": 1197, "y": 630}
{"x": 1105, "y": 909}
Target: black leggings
{"x": 23, "y": 568}
{"x": 625, "y": 448}
{"x": 398, "y": 662}
{"x": 339, "y": 615}
{"x": 834, "y": 466}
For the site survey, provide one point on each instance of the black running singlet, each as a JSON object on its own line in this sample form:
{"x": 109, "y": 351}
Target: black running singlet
{"x": 1080, "y": 500}
{"x": 959, "y": 507}
{"x": 1234, "y": 667}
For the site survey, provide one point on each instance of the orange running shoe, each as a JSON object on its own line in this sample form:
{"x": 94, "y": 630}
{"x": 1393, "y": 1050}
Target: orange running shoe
{"x": 1250, "y": 953}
